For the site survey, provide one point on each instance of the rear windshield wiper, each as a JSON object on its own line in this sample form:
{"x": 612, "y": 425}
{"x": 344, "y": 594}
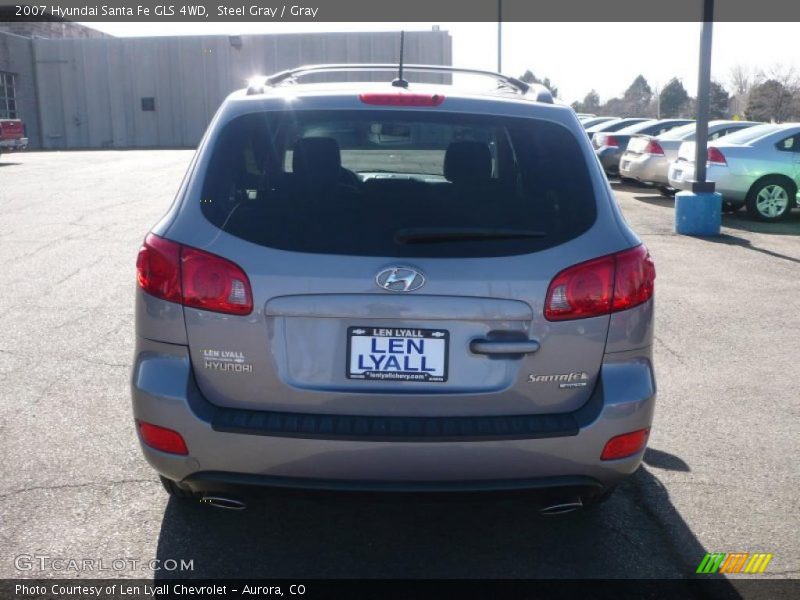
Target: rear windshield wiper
{"x": 432, "y": 235}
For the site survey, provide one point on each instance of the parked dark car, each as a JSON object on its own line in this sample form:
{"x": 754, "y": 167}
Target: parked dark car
{"x": 614, "y": 125}
{"x": 610, "y": 146}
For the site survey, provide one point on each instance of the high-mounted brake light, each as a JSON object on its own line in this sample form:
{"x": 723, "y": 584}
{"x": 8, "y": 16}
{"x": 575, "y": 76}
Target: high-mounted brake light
{"x": 192, "y": 277}
{"x": 402, "y": 99}
{"x": 716, "y": 157}
{"x": 601, "y": 286}
{"x": 654, "y": 148}
{"x": 161, "y": 438}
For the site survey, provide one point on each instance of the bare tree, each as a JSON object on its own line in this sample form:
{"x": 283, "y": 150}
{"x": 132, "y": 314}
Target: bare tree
{"x": 787, "y": 75}
{"x": 741, "y": 79}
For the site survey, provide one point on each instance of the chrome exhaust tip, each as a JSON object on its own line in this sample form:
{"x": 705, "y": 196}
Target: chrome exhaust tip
{"x": 561, "y": 508}
{"x": 224, "y": 502}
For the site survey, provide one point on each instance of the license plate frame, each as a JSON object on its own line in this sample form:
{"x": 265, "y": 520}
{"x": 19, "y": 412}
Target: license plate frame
{"x": 423, "y": 360}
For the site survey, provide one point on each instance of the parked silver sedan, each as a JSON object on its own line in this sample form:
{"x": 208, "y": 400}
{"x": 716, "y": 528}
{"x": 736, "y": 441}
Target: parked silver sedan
{"x": 647, "y": 158}
{"x": 758, "y": 167}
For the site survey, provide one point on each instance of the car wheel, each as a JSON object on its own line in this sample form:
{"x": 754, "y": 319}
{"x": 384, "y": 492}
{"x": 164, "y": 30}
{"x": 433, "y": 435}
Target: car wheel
{"x": 731, "y": 207}
{"x": 666, "y": 191}
{"x": 771, "y": 199}
{"x": 176, "y": 490}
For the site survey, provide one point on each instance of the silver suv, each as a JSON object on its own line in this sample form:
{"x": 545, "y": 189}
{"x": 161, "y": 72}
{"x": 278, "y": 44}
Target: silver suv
{"x": 374, "y": 286}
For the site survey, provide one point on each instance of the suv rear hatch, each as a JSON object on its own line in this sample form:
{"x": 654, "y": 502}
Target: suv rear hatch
{"x": 399, "y": 264}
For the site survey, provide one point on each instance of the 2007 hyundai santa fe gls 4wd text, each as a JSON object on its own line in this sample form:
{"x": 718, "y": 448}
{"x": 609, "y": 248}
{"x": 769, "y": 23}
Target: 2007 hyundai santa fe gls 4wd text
{"x": 406, "y": 287}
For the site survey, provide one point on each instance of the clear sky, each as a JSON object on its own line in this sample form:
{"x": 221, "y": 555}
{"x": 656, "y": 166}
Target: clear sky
{"x": 575, "y": 56}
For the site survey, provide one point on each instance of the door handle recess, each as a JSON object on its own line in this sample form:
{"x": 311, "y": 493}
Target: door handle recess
{"x": 504, "y": 347}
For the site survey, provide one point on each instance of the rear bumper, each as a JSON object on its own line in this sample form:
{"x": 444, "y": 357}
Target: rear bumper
{"x": 732, "y": 187}
{"x": 164, "y": 393}
{"x": 645, "y": 168}
{"x": 16, "y": 144}
{"x": 609, "y": 158}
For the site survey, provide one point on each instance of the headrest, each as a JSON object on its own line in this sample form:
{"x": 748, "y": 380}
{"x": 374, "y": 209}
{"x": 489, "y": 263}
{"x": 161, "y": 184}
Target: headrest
{"x": 317, "y": 159}
{"x": 467, "y": 162}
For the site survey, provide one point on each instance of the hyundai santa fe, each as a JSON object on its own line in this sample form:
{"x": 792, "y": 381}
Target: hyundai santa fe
{"x": 406, "y": 287}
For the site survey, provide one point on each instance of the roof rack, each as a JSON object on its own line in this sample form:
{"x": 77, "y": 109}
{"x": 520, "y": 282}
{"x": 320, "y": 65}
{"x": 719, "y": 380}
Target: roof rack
{"x": 535, "y": 91}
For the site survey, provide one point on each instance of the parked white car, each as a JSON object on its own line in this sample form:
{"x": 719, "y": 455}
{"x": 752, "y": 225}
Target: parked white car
{"x": 647, "y": 157}
{"x": 758, "y": 167}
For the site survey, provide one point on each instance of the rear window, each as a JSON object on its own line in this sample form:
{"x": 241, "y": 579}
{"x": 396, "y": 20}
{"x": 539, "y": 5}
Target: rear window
{"x": 398, "y": 183}
{"x": 684, "y": 132}
{"x": 745, "y": 136}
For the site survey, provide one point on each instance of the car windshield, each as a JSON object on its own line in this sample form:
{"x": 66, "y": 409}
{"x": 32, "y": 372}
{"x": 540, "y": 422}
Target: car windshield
{"x": 398, "y": 183}
{"x": 745, "y": 136}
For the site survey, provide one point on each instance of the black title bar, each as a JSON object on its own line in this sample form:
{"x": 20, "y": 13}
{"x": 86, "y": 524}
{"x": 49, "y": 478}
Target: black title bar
{"x": 398, "y": 11}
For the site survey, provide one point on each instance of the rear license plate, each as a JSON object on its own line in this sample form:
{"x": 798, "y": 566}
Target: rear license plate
{"x": 397, "y": 354}
{"x": 677, "y": 175}
{"x": 625, "y": 165}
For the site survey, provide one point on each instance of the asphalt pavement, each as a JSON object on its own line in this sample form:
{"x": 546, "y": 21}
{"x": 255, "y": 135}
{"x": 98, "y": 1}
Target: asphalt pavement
{"x": 721, "y": 473}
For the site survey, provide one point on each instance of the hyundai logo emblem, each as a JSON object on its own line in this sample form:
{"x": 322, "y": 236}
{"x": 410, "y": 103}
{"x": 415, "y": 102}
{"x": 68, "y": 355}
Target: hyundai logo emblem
{"x": 400, "y": 279}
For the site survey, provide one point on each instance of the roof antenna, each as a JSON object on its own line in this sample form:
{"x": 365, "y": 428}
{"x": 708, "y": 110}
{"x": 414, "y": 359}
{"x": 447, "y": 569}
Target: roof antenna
{"x": 400, "y": 82}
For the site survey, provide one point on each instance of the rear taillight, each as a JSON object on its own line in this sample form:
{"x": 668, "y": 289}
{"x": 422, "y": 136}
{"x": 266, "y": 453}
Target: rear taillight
{"x": 601, "y": 286}
{"x": 192, "y": 277}
{"x": 625, "y": 445}
{"x": 654, "y": 148}
{"x": 402, "y": 99}
{"x": 611, "y": 141}
{"x": 213, "y": 283}
{"x": 161, "y": 438}
{"x": 158, "y": 268}
{"x": 716, "y": 157}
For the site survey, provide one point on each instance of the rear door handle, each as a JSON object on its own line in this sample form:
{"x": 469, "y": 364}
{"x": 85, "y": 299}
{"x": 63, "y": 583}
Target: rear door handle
{"x": 504, "y": 347}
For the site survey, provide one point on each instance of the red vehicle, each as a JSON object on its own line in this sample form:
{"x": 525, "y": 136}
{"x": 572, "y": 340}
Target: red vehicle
{"x": 12, "y": 135}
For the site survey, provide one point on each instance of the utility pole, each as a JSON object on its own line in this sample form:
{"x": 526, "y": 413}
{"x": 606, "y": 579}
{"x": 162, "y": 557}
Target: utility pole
{"x": 703, "y": 86}
{"x": 699, "y": 211}
{"x": 499, "y": 36}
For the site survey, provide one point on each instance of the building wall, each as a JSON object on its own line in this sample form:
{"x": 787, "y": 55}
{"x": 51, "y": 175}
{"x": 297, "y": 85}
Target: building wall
{"x": 16, "y": 56}
{"x": 50, "y": 29}
{"x": 91, "y": 89}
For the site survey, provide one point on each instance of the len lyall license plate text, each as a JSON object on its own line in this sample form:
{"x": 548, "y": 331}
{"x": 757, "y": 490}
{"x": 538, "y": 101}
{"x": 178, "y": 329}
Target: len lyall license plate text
{"x": 397, "y": 354}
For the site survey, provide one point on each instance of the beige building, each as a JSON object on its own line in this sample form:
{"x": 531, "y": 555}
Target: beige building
{"x": 104, "y": 92}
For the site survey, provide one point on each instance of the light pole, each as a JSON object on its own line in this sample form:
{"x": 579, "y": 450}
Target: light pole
{"x": 703, "y": 84}
{"x": 699, "y": 211}
{"x": 499, "y": 36}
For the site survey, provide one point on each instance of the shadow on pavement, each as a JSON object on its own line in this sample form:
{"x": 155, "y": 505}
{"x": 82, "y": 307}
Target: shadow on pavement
{"x": 657, "y": 200}
{"x": 732, "y": 240}
{"x": 743, "y": 222}
{"x": 9, "y": 164}
{"x": 636, "y": 534}
{"x": 664, "y": 460}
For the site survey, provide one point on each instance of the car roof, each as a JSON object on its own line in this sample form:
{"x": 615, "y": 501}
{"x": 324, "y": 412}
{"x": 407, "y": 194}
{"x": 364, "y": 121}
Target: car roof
{"x": 637, "y": 127}
{"x": 602, "y": 126}
{"x": 346, "y": 95}
{"x": 757, "y": 134}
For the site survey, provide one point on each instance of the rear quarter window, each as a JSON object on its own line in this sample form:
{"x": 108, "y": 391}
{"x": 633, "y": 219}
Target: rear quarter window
{"x": 356, "y": 182}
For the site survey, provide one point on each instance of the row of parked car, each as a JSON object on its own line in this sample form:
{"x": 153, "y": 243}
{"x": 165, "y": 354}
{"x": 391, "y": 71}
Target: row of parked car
{"x": 754, "y": 165}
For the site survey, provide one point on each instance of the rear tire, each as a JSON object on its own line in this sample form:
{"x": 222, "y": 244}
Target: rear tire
{"x": 731, "y": 207}
{"x": 771, "y": 199}
{"x": 666, "y": 191}
{"x": 176, "y": 490}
